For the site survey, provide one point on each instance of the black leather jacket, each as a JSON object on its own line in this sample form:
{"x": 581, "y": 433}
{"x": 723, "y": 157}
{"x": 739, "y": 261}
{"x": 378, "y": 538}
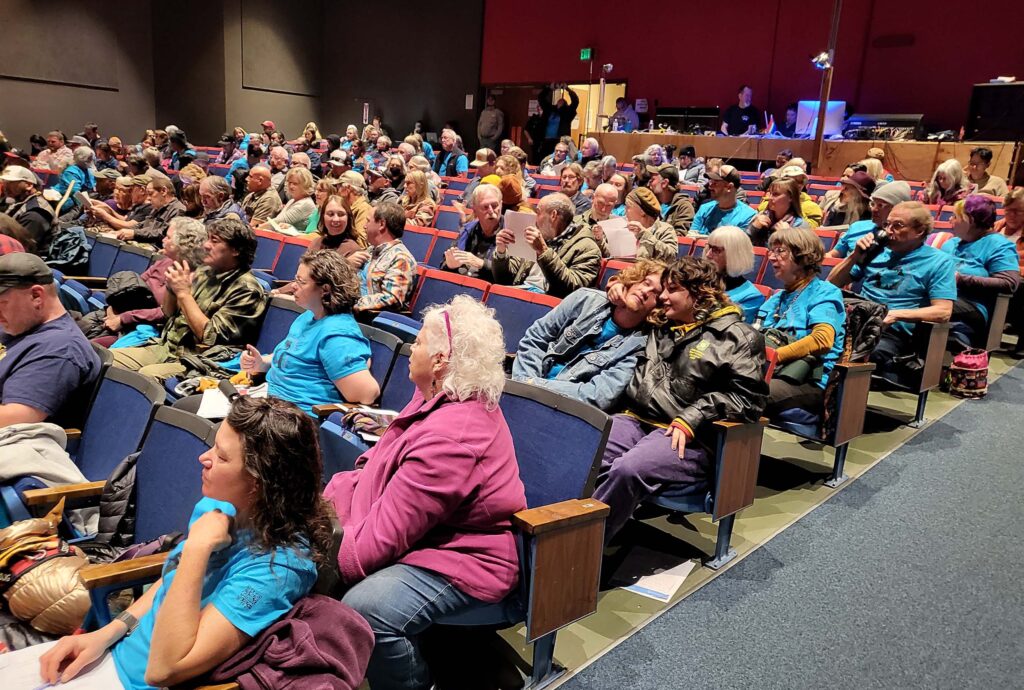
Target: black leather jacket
{"x": 711, "y": 371}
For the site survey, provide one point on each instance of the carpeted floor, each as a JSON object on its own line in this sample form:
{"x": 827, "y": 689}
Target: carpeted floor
{"x": 911, "y": 577}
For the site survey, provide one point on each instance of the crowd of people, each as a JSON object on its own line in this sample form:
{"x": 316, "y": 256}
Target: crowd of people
{"x": 668, "y": 347}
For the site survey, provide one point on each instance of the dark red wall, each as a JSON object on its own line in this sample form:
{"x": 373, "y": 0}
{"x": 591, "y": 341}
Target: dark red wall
{"x": 905, "y": 57}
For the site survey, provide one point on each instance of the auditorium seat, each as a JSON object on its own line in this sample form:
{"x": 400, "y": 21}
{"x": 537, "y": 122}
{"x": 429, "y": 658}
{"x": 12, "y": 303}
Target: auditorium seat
{"x": 438, "y": 287}
{"x": 268, "y": 246}
{"x": 609, "y": 268}
{"x": 419, "y": 241}
{"x": 516, "y": 310}
{"x": 459, "y": 183}
{"x": 448, "y": 218}
{"x": 443, "y": 240}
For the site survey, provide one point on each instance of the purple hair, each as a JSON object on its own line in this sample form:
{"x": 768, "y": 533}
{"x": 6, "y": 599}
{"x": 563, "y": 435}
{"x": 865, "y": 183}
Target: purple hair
{"x": 981, "y": 211}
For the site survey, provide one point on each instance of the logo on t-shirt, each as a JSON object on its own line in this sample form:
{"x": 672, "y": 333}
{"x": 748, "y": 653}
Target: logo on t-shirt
{"x": 248, "y": 598}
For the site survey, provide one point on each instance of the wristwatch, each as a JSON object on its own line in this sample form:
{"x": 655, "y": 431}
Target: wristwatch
{"x": 130, "y": 621}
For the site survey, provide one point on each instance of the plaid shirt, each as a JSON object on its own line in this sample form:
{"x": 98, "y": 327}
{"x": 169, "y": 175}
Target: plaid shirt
{"x": 233, "y": 302}
{"x": 389, "y": 277}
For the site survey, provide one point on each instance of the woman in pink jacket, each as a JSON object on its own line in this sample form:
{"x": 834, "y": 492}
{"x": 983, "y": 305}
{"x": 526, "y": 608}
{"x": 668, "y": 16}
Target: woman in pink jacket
{"x": 427, "y": 511}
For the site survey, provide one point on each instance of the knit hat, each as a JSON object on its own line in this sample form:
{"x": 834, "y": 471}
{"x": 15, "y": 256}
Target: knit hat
{"x": 892, "y": 193}
{"x": 511, "y": 190}
{"x": 875, "y": 152}
{"x": 491, "y": 179}
{"x": 645, "y": 199}
{"x": 862, "y": 182}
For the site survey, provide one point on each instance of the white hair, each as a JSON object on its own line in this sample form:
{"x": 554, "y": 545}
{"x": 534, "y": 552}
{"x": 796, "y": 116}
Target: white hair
{"x": 172, "y": 129}
{"x": 419, "y": 163}
{"x": 483, "y": 187}
{"x": 476, "y": 351}
{"x": 953, "y": 171}
{"x": 739, "y": 251}
{"x": 650, "y": 150}
{"x": 82, "y": 155}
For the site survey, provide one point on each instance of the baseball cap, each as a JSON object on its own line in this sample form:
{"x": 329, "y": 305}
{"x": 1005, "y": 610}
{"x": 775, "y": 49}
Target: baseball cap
{"x": 726, "y": 173}
{"x": 353, "y": 178}
{"x": 688, "y": 151}
{"x": 107, "y": 174}
{"x": 792, "y": 171}
{"x": 268, "y": 123}
{"x": 337, "y": 158}
{"x": 666, "y": 171}
{"x": 21, "y": 269}
{"x": 16, "y": 173}
{"x": 226, "y": 138}
{"x": 378, "y": 172}
{"x": 141, "y": 180}
{"x": 483, "y": 157}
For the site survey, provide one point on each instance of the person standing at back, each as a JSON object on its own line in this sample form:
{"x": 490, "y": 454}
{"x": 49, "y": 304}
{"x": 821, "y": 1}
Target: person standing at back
{"x": 742, "y": 118}
{"x": 490, "y": 125}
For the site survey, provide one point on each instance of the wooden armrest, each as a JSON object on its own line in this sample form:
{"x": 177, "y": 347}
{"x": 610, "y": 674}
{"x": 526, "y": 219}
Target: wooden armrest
{"x": 859, "y": 368}
{"x": 564, "y": 567}
{"x": 88, "y": 280}
{"x": 938, "y": 333}
{"x": 72, "y": 492}
{"x": 73, "y": 434}
{"x": 324, "y": 411}
{"x": 737, "y": 458}
{"x": 855, "y": 384}
{"x": 559, "y": 515}
{"x": 123, "y": 572}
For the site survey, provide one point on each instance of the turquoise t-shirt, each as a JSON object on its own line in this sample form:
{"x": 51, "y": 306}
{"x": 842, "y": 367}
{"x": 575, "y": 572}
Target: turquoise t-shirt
{"x": 907, "y": 281}
{"x": 608, "y": 331}
{"x": 985, "y": 256}
{"x": 316, "y": 353}
{"x": 798, "y": 312}
{"x": 247, "y": 589}
{"x": 848, "y": 240}
{"x": 710, "y": 216}
{"x": 748, "y": 298}
{"x": 619, "y": 210}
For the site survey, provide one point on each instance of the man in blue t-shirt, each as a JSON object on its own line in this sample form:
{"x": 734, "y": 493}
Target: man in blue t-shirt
{"x": 48, "y": 367}
{"x": 916, "y": 282}
{"x": 723, "y": 185}
{"x": 883, "y": 199}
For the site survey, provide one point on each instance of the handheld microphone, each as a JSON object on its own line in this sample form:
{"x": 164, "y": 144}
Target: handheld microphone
{"x": 882, "y": 240}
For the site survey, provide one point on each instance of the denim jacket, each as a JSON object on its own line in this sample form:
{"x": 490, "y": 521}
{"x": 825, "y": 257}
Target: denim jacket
{"x": 595, "y": 376}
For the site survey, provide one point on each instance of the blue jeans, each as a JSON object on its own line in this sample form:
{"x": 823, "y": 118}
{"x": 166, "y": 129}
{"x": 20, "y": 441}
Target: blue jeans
{"x": 400, "y": 602}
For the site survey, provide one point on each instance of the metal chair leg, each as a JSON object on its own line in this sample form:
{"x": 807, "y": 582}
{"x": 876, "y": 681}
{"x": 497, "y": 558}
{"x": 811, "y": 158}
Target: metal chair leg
{"x": 545, "y": 670}
{"x": 922, "y": 400}
{"x": 723, "y": 552}
{"x": 837, "y": 476}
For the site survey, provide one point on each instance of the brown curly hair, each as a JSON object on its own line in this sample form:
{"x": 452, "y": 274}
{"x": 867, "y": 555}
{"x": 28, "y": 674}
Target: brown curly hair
{"x": 328, "y": 268}
{"x": 281, "y": 451}
{"x": 701, "y": 279}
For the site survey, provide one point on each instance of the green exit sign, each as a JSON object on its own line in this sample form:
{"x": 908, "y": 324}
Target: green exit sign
{"x": 585, "y": 53}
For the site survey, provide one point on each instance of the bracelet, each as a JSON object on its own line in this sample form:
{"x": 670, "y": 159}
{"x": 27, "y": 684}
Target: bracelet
{"x": 130, "y": 621}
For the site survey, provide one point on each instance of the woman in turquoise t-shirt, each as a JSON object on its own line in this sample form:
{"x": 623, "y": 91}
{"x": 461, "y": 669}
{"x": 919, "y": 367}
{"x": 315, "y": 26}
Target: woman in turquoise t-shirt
{"x": 325, "y": 358}
{"x": 244, "y": 565}
{"x": 730, "y": 249}
{"x": 986, "y": 265}
{"x": 807, "y": 309}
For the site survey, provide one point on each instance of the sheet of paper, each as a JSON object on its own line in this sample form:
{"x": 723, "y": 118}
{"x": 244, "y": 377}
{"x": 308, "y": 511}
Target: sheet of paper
{"x": 20, "y": 671}
{"x": 215, "y": 405}
{"x": 652, "y": 574}
{"x": 517, "y": 222}
{"x": 621, "y": 242}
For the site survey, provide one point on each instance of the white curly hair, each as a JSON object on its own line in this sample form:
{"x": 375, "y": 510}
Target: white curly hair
{"x": 476, "y": 353}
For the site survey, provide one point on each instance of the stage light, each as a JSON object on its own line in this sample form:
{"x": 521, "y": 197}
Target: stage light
{"x": 606, "y": 68}
{"x": 822, "y": 60}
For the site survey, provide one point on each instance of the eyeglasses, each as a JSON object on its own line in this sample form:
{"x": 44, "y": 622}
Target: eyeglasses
{"x": 714, "y": 248}
{"x": 896, "y": 225}
{"x": 779, "y": 251}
